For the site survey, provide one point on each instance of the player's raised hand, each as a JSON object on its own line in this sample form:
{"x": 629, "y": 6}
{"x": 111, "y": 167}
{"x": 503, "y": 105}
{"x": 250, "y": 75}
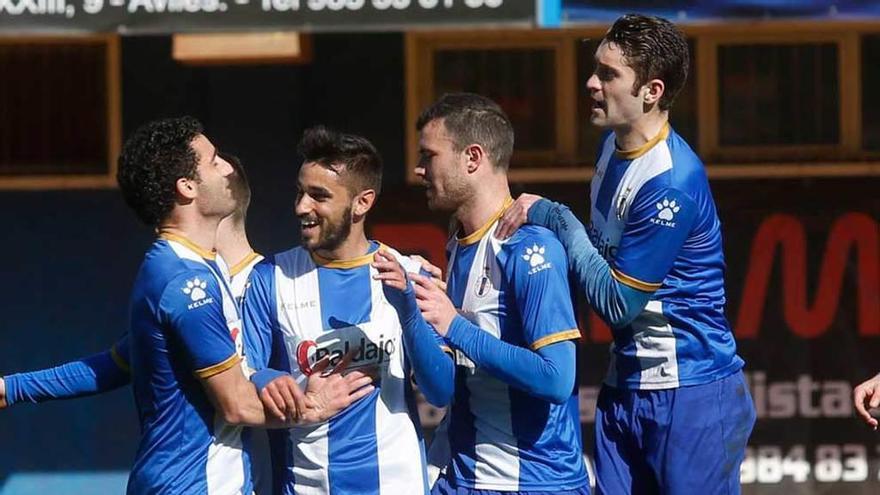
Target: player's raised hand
{"x": 515, "y": 216}
{"x": 436, "y": 307}
{"x": 435, "y": 271}
{"x": 2, "y": 393}
{"x": 866, "y": 396}
{"x": 329, "y": 393}
{"x": 283, "y": 398}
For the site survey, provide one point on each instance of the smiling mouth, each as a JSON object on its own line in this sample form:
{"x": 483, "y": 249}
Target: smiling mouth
{"x": 307, "y": 225}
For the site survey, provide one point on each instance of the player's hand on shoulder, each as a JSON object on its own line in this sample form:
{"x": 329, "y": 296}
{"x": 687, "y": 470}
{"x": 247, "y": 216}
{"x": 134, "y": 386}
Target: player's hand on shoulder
{"x": 515, "y": 216}
{"x": 866, "y": 396}
{"x": 391, "y": 273}
{"x": 329, "y": 393}
{"x": 435, "y": 271}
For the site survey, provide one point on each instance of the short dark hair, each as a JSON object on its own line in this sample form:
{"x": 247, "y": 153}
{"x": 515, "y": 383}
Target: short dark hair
{"x": 356, "y": 154}
{"x": 473, "y": 119}
{"x": 153, "y": 158}
{"x": 655, "y": 49}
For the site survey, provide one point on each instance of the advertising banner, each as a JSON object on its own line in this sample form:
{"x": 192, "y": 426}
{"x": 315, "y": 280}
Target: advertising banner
{"x": 576, "y": 11}
{"x": 170, "y": 16}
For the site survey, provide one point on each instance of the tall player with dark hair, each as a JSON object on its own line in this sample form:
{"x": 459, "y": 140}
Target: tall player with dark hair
{"x": 674, "y": 413}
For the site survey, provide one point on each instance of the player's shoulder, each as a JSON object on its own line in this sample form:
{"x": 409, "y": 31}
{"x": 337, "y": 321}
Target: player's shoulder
{"x": 529, "y": 234}
{"x": 407, "y": 262}
{"x": 687, "y": 174}
{"x": 165, "y": 267}
{"x": 531, "y": 239}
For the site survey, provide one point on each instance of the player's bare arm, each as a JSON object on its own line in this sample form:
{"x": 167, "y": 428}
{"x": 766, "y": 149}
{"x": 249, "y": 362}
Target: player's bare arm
{"x": 866, "y": 396}
{"x": 2, "y": 393}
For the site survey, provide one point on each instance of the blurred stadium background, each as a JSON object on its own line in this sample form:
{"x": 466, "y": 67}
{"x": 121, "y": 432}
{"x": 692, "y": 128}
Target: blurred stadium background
{"x": 782, "y": 104}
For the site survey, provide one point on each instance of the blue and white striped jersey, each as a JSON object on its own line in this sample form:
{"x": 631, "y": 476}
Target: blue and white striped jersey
{"x": 185, "y": 326}
{"x": 300, "y": 308}
{"x": 653, "y": 218}
{"x": 495, "y": 436}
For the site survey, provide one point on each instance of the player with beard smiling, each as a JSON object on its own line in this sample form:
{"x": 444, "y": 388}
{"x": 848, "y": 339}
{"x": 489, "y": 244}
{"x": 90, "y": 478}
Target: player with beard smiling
{"x": 336, "y": 293}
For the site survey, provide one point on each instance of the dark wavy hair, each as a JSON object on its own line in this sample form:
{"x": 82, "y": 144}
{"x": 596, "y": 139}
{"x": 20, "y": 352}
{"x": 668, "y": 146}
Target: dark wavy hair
{"x": 153, "y": 158}
{"x": 353, "y": 157}
{"x": 473, "y": 119}
{"x": 655, "y": 49}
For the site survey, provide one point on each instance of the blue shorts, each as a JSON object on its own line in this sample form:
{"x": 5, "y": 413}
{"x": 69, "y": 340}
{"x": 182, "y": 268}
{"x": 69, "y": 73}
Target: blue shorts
{"x": 442, "y": 487}
{"x": 679, "y": 441}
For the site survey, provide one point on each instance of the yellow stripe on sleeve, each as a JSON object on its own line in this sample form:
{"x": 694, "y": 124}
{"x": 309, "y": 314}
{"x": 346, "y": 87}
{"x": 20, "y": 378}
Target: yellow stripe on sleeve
{"x": 572, "y": 334}
{"x": 219, "y": 367}
{"x": 634, "y": 282}
{"x": 119, "y": 360}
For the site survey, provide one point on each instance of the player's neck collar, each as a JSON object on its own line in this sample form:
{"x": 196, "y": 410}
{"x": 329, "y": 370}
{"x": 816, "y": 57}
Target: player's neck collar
{"x": 362, "y": 260}
{"x": 204, "y": 253}
{"x": 641, "y": 150}
{"x": 481, "y": 232}
{"x": 235, "y": 270}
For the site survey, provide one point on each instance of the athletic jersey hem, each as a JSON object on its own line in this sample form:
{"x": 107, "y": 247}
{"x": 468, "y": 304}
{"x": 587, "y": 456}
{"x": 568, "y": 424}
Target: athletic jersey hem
{"x": 520, "y": 487}
{"x": 703, "y": 379}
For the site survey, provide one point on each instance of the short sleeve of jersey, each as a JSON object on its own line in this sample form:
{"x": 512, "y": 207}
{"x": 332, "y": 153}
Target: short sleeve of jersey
{"x": 538, "y": 270}
{"x": 259, "y": 313}
{"x": 658, "y": 223}
{"x": 192, "y": 307}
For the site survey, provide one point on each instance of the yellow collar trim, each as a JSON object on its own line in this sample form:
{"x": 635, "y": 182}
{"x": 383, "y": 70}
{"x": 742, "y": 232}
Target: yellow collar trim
{"x": 235, "y": 270}
{"x": 345, "y": 264}
{"x": 204, "y": 253}
{"x": 481, "y": 232}
{"x": 641, "y": 150}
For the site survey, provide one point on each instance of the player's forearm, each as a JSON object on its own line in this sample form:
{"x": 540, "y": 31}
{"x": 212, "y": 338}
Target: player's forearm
{"x": 547, "y": 374}
{"x": 615, "y": 302}
{"x": 92, "y": 375}
{"x": 433, "y": 368}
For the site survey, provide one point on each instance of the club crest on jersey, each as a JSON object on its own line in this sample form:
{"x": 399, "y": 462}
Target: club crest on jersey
{"x": 484, "y": 283}
{"x": 369, "y": 353}
{"x": 195, "y": 289}
{"x": 535, "y": 256}
{"x": 666, "y": 211}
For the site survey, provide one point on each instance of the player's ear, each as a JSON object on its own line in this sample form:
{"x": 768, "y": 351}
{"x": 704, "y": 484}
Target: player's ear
{"x": 363, "y": 202}
{"x": 652, "y": 92}
{"x": 186, "y": 189}
{"x": 475, "y": 156}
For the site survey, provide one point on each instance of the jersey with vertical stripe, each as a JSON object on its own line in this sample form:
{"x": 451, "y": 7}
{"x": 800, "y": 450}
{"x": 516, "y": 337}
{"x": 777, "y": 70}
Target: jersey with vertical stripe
{"x": 497, "y": 436}
{"x": 302, "y": 308}
{"x": 644, "y": 203}
{"x": 185, "y": 326}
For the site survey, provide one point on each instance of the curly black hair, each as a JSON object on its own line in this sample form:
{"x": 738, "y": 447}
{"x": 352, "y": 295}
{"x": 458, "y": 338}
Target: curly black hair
{"x": 655, "y": 49}
{"x": 152, "y": 160}
{"x": 358, "y": 157}
{"x": 473, "y": 119}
